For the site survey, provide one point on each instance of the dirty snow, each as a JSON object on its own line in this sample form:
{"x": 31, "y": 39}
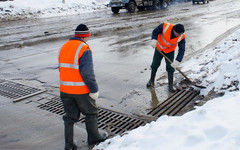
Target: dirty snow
{"x": 219, "y": 67}
{"x": 19, "y": 9}
{"x": 214, "y": 126}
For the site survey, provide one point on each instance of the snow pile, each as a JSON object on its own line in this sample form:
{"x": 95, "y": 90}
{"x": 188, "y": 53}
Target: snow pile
{"x": 214, "y": 126}
{"x": 19, "y": 9}
{"x": 218, "y": 68}
{"x": 211, "y": 127}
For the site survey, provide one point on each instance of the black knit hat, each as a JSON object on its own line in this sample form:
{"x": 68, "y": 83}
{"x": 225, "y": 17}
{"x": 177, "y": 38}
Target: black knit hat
{"x": 179, "y": 28}
{"x": 82, "y": 31}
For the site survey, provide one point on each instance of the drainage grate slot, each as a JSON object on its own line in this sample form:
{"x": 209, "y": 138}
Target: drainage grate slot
{"x": 118, "y": 123}
{"x": 17, "y": 91}
{"x": 174, "y": 104}
{"x": 182, "y": 103}
{"x": 115, "y": 122}
{"x": 54, "y": 105}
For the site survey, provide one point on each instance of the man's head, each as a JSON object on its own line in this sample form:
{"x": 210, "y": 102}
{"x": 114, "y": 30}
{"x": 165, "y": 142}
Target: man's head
{"x": 82, "y": 31}
{"x": 178, "y": 29}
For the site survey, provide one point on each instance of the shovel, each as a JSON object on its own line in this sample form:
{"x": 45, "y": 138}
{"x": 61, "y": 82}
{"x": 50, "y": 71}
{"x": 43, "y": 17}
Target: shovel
{"x": 199, "y": 86}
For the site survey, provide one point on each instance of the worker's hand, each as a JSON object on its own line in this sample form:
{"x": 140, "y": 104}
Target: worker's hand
{"x": 153, "y": 43}
{"x": 175, "y": 64}
{"x": 94, "y": 95}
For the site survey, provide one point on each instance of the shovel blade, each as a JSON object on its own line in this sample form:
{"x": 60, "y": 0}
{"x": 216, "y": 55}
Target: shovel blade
{"x": 188, "y": 82}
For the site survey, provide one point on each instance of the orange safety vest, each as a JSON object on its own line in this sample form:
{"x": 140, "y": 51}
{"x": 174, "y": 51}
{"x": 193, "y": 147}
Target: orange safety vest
{"x": 165, "y": 43}
{"x": 71, "y": 81}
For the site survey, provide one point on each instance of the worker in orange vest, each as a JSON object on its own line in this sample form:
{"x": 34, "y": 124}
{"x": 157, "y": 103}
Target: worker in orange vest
{"x": 78, "y": 87}
{"x": 165, "y": 38}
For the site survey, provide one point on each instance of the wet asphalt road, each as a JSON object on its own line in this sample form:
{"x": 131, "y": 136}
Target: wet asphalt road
{"x": 120, "y": 45}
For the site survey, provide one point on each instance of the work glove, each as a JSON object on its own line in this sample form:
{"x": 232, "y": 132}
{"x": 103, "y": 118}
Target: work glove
{"x": 94, "y": 95}
{"x": 175, "y": 64}
{"x": 153, "y": 43}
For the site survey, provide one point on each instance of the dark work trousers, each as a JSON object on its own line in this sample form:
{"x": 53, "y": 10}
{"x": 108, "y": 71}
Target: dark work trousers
{"x": 157, "y": 58}
{"x": 73, "y": 106}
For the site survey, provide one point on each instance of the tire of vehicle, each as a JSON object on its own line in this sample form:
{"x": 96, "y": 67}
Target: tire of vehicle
{"x": 156, "y": 4}
{"x": 115, "y": 10}
{"x": 204, "y": 1}
{"x": 131, "y": 7}
{"x": 193, "y": 2}
{"x": 164, "y": 4}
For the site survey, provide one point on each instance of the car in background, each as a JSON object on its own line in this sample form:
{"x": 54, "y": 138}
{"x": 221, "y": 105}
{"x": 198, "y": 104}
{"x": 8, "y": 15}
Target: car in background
{"x": 197, "y": 1}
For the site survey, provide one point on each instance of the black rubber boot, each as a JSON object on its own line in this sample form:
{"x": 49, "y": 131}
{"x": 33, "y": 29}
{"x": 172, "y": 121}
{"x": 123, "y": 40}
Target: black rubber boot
{"x": 170, "y": 82}
{"x": 68, "y": 133}
{"x": 152, "y": 78}
{"x": 94, "y": 136}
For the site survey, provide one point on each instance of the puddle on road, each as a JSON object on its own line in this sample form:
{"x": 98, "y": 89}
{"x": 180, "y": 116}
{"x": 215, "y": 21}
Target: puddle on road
{"x": 203, "y": 33}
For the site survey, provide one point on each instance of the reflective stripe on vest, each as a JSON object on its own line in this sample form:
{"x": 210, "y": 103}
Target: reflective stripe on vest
{"x": 72, "y": 83}
{"x": 164, "y": 31}
{"x": 166, "y": 41}
{"x": 77, "y": 53}
{"x": 179, "y": 39}
{"x": 161, "y": 46}
{"x": 68, "y": 66}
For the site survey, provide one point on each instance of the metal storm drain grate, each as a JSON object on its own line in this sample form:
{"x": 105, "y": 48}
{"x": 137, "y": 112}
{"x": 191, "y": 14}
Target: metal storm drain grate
{"x": 112, "y": 121}
{"x": 17, "y": 91}
{"x": 174, "y": 104}
{"x": 116, "y": 122}
{"x": 54, "y": 105}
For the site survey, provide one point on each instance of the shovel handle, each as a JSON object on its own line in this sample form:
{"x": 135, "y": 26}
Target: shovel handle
{"x": 176, "y": 68}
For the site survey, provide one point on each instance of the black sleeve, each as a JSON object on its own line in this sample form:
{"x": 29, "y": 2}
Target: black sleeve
{"x": 181, "y": 50}
{"x": 158, "y": 30}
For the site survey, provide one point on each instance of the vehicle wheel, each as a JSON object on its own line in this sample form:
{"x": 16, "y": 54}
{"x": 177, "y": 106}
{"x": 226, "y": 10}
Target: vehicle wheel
{"x": 204, "y": 1}
{"x": 193, "y": 2}
{"x": 131, "y": 6}
{"x": 156, "y": 4}
{"x": 115, "y": 10}
{"x": 164, "y": 4}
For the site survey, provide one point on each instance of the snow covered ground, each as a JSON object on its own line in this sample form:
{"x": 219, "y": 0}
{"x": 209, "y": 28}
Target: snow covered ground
{"x": 19, "y": 9}
{"x": 214, "y": 126}
{"x": 218, "y": 67}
